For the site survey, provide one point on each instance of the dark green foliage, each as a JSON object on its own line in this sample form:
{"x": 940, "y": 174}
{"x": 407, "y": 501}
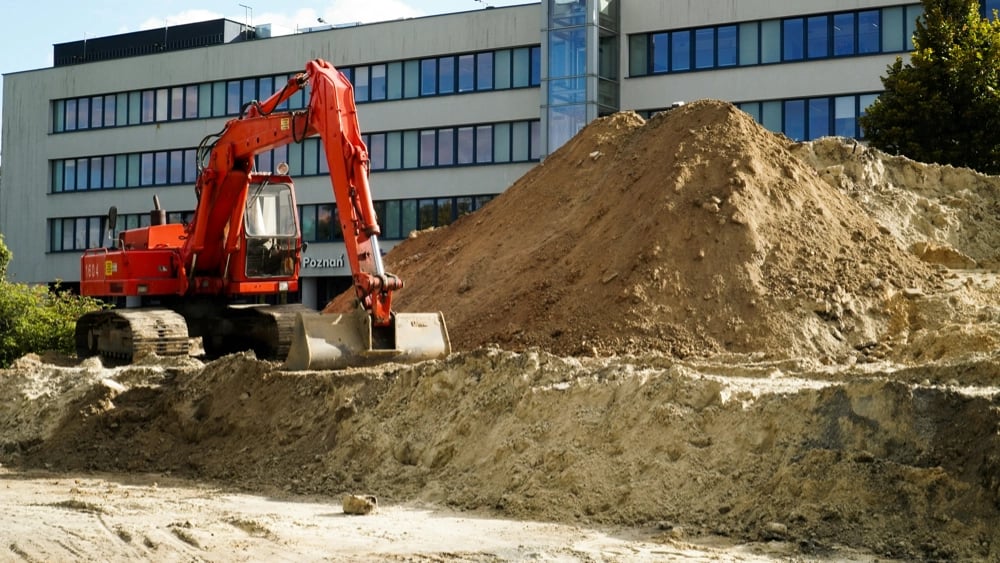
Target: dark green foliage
{"x": 944, "y": 105}
{"x": 34, "y": 318}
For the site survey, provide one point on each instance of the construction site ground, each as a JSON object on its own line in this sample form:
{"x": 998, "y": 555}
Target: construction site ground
{"x": 685, "y": 338}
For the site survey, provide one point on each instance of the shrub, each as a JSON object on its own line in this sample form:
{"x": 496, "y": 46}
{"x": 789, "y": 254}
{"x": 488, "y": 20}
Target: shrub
{"x": 34, "y": 318}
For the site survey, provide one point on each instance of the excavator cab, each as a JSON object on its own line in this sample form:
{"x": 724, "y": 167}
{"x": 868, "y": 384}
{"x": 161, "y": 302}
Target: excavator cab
{"x": 271, "y": 231}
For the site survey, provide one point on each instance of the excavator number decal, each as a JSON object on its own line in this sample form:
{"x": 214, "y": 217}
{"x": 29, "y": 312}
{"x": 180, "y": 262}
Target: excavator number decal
{"x": 285, "y": 123}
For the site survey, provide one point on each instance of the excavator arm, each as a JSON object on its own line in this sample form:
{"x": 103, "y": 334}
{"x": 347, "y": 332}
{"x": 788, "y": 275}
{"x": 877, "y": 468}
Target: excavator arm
{"x": 331, "y": 114}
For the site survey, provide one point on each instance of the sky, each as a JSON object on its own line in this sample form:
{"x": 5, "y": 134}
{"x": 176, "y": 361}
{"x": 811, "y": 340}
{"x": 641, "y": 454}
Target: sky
{"x": 29, "y": 29}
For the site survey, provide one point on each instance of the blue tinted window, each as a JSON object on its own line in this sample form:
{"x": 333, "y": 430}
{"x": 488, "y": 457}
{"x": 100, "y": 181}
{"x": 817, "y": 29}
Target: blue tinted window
{"x": 728, "y": 48}
{"x": 843, "y": 34}
{"x": 792, "y": 34}
{"x": 795, "y": 119}
{"x": 536, "y": 66}
{"x": 661, "y": 52}
{"x": 819, "y": 118}
{"x": 989, "y": 6}
{"x": 818, "y": 37}
{"x": 704, "y": 48}
{"x": 428, "y": 77}
{"x": 680, "y": 44}
{"x": 868, "y": 32}
{"x": 446, "y": 75}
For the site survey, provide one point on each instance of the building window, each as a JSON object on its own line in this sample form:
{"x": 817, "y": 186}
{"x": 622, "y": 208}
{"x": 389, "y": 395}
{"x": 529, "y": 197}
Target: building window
{"x": 868, "y": 32}
{"x": 446, "y": 75}
{"x": 818, "y": 37}
{"x": 465, "y": 148}
{"x": 428, "y": 148}
{"x": 466, "y": 73}
{"x": 428, "y": 77}
{"x": 856, "y": 33}
{"x": 704, "y": 48}
{"x": 680, "y": 47}
{"x": 793, "y": 31}
{"x": 728, "y": 45}
{"x": 70, "y": 119}
{"x": 484, "y": 71}
{"x": 770, "y": 41}
{"x": 812, "y": 118}
{"x": 843, "y": 34}
{"x": 749, "y": 43}
{"x": 819, "y": 118}
{"x": 521, "y": 70}
{"x": 445, "y": 147}
{"x": 661, "y": 52}
{"x": 795, "y": 120}
{"x": 377, "y": 84}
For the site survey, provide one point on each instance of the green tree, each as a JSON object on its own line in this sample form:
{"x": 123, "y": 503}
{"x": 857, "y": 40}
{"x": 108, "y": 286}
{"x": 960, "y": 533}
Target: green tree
{"x": 34, "y": 318}
{"x": 944, "y": 105}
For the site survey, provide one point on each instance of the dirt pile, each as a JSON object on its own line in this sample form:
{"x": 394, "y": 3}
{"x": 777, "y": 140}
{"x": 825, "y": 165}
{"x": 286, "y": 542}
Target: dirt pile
{"x": 944, "y": 214}
{"x": 696, "y": 233}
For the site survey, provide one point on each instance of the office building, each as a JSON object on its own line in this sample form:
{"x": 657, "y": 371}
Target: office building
{"x": 454, "y": 107}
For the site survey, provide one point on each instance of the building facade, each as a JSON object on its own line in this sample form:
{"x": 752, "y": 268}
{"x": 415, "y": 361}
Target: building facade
{"x": 455, "y": 107}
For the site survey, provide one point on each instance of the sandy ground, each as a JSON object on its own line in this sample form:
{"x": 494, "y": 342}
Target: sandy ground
{"x": 49, "y": 517}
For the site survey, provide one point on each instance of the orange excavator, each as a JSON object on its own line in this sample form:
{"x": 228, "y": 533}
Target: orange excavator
{"x": 193, "y": 281}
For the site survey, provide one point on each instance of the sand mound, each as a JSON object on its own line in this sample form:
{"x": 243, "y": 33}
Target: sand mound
{"x": 696, "y": 233}
{"x": 945, "y": 214}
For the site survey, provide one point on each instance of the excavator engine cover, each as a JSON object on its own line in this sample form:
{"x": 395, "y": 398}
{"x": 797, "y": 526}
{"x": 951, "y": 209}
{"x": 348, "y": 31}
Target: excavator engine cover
{"x": 337, "y": 341}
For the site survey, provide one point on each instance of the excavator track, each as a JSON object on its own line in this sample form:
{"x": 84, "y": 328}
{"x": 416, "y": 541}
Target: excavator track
{"x": 129, "y": 334}
{"x": 125, "y": 335}
{"x": 265, "y": 329}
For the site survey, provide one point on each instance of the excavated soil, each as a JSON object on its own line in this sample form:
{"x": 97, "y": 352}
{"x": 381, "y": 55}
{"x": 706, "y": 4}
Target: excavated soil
{"x": 689, "y": 326}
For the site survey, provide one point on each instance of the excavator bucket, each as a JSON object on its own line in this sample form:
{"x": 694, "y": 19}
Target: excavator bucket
{"x": 337, "y": 341}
